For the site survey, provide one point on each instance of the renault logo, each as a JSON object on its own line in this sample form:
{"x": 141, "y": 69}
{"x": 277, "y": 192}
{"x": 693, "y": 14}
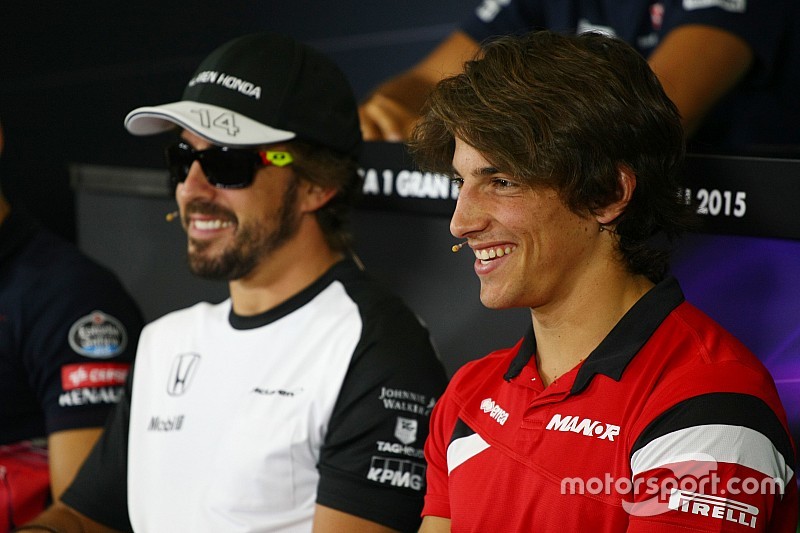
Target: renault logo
{"x": 184, "y": 368}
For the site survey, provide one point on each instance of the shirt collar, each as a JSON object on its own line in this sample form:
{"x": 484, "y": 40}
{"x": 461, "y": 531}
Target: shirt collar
{"x": 623, "y": 342}
{"x": 344, "y": 270}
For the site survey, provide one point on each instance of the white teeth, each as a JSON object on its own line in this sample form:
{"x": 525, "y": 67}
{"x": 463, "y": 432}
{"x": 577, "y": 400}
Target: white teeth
{"x": 492, "y": 253}
{"x": 211, "y": 224}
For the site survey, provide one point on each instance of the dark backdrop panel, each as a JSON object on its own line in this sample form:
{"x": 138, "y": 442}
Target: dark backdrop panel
{"x": 741, "y": 269}
{"x": 410, "y": 252}
{"x": 71, "y": 71}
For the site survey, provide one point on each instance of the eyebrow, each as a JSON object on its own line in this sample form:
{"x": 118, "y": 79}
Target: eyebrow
{"x": 481, "y": 172}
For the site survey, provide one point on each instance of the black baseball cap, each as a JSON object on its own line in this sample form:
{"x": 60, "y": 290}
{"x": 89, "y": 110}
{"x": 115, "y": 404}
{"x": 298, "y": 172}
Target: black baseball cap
{"x": 259, "y": 89}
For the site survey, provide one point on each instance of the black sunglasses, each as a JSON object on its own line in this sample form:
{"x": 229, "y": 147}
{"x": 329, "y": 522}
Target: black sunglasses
{"x": 225, "y": 168}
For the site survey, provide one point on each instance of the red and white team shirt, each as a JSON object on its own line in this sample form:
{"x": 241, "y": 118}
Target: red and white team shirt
{"x": 669, "y": 423}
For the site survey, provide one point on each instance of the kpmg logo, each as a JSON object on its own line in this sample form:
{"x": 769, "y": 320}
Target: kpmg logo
{"x": 184, "y": 367}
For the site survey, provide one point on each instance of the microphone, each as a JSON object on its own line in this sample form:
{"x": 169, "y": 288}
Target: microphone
{"x": 457, "y": 247}
{"x": 172, "y": 216}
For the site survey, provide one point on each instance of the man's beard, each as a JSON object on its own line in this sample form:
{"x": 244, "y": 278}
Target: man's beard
{"x": 251, "y": 244}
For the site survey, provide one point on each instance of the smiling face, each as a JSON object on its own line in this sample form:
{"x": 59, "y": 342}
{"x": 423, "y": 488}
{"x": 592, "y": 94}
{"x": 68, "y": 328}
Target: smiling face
{"x": 230, "y": 231}
{"x": 531, "y": 250}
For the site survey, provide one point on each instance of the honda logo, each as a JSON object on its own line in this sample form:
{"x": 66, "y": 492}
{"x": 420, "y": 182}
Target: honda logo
{"x": 184, "y": 368}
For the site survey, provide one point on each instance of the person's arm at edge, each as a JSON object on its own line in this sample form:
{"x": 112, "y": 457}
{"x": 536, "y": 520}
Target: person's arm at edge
{"x": 435, "y": 524}
{"x": 329, "y": 520}
{"x": 66, "y": 451}
{"x": 62, "y": 518}
{"x": 697, "y": 65}
{"x": 389, "y": 113}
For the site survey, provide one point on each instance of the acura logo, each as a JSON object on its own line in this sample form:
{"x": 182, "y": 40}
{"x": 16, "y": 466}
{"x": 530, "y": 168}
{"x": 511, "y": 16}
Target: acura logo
{"x": 184, "y": 368}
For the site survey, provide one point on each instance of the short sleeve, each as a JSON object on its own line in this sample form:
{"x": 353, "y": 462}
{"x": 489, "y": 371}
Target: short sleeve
{"x": 100, "y": 489}
{"x": 717, "y": 461}
{"x": 372, "y": 462}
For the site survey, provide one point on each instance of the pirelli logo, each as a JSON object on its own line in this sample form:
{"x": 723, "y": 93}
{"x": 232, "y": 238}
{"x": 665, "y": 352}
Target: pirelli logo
{"x": 714, "y": 507}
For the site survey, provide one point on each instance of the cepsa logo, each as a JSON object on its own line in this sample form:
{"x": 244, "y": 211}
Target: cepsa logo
{"x": 80, "y": 376}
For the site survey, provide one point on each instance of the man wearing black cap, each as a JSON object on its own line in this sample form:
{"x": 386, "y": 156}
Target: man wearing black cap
{"x": 303, "y": 400}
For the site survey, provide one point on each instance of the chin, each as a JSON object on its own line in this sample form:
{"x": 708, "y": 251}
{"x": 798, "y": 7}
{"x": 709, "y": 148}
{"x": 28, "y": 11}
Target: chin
{"x": 495, "y": 302}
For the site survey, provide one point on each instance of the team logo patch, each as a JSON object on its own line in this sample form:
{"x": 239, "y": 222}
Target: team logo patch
{"x": 184, "y": 367}
{"x": 98, "y": 335}
{"x": 93, "y": 375}
{"x": 583, "y": 426}
{"x": 406, "y": 430}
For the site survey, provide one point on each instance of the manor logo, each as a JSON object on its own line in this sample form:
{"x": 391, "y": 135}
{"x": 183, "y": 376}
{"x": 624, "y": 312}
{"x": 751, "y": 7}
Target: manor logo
{"x": 583, "y": 426}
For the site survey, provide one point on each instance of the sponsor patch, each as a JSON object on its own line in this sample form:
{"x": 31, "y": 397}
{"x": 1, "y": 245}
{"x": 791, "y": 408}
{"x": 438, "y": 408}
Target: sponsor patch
{"x": 496, "y": 412}
{"x": 714, "y": 507}
{"x": 734, "y": 6}
{"x": 397, "y": 472}
{"x": 166, "y": 424}
{"x": 406, "y": 430}
{"x": 90, "y": 396}
{"x": 79, "y": 376}
{"x": 399, "y": 449}
{"x": 408, "y": 401}
{"x": 98, "y": 335}
{"x": 583, "y": 426}
{"x": 184, "y": 367}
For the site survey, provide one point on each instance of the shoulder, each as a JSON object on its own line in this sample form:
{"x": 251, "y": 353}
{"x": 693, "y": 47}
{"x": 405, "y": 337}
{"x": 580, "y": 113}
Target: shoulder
{"x": 198, "y": 316}
{"x": 385, "y": 317}
{"x": 490, "y": 367}
{"x": 709, "y": 394}
{"x": 701, "y": 348}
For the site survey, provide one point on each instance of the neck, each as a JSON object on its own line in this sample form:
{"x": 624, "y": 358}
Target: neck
{"x": 568, "y": 330}
{"x": 285, "y": 272}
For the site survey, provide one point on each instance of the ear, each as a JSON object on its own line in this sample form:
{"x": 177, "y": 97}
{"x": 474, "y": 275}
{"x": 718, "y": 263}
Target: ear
{"x": 314, "y": 196}
{"x": 626, "y": 184}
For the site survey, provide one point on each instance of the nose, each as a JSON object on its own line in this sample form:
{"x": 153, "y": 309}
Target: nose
{"x": 195, "y": 185}
{"x": 468, "y": 217}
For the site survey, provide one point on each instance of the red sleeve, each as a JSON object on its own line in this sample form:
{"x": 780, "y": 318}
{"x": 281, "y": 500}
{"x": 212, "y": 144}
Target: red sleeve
{"x": 714, "y": 462}
{"x": 443, "y": 423}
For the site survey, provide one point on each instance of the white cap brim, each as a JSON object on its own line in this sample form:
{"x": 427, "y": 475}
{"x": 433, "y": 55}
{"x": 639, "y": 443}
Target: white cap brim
{"x": 213, "y": 123}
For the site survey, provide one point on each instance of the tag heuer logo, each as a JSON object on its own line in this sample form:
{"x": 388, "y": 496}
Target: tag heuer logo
{"x": 184, "y": 367}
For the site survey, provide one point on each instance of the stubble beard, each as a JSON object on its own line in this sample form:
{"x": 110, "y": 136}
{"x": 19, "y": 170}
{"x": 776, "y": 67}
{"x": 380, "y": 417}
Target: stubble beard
{"x": 252, "y": 242}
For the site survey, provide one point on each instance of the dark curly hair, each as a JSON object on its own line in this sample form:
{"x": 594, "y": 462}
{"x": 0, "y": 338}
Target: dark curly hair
{"x": 329, "y": 168}
{"x": 568, "y": 112}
